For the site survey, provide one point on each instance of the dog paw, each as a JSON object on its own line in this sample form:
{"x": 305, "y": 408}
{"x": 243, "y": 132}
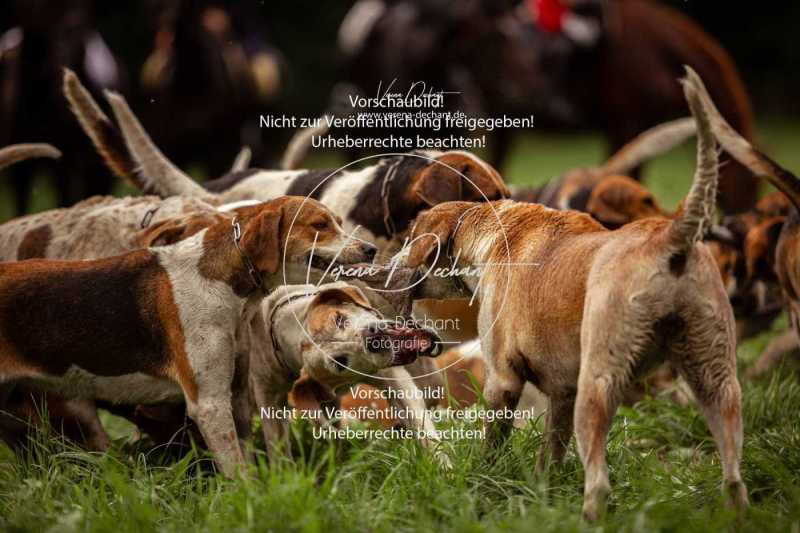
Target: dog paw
{"x": 736, "y": 495}
{"x": 594, "y": 504}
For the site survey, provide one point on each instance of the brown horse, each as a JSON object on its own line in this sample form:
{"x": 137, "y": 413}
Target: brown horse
{"x": 635, "y": 82}
{"x": 624, "y": 85}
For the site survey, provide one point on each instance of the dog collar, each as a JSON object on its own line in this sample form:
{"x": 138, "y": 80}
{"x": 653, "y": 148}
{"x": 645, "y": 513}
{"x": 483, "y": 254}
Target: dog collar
{"x": 248, "y": 264}
{"x": 271, "y": 317}
{"x": 148, "y": 217}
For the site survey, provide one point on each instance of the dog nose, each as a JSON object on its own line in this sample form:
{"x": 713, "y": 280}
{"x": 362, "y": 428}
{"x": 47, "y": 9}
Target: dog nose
{"x": 369, "y": 250}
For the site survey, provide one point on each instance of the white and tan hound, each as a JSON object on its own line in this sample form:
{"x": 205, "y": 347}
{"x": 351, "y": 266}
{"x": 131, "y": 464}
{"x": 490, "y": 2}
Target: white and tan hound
{"x": 581, "y": 311}
{"x": 164, "y": 323}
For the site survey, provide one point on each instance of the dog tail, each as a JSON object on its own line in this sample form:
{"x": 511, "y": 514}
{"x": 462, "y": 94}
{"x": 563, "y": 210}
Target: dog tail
{"x": 300, "y": 144}
{"x": 696, "y": 216}
{"x": 744, "y": 152}
{"x": 104, "y": 135}
{"x": 242, "y": 161}
{"x": 157, "y": 174}
{"x": 649, "y": 144}
{"x": 19, "y": 152}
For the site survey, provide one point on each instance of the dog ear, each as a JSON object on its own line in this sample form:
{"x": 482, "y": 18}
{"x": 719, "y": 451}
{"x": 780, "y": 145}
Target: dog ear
{"x": 164, "y": 233}
{"x": 484, "y": 182}
{"x": 309, "y": 395}
{"x": 618, "y": 200}
{"x": 479, "y": 181}
{"x": 773, "y": 204}
{"x": 344, "y": 294}
{"x": 606, "y": 211}
{"x": 759, "y": 248}
{"x": 437, "y": 184}
{"x": 261, "y": 237}
{"x": 433, "y": 230}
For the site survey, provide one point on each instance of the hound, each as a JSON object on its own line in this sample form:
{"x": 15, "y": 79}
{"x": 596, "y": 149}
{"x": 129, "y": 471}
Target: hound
{"x": 334, "y": 335}
{"x": 615, "y": 199}
{"x": 100, "y": 226}
{"x": 581, "y": 311}
{"x": 103, "y": 227}
{"x": 318, "y": 339}
{"x": 780, "y": 233}
{"x": 382, "y": 198}
{"x": 162, "y": 323}
{"x": 607, "y": 192}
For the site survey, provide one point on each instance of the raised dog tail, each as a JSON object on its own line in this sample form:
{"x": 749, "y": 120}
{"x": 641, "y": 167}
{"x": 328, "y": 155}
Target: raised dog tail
{"x": 649, "y": 144}
{"x": 128, "y": 151}
{"x": 157, "y": 174}
{"x": 744, "y": 152}
{"x": 696, "y": 215}
{"x": 104, "y": 135}
{"x": 19, "y": 152}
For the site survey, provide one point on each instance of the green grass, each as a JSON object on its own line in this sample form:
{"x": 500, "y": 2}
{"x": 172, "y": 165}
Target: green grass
{"x": 664, "y": 468}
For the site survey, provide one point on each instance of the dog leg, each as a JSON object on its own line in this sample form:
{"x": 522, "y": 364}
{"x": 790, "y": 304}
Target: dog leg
{"x": 502, "y": 391}
{"x": 558, "y": 430}
{"x": 595, "y": 406}
{"x": 213, "y": 414}
{"x": 208, "y": 402}
{"x": 718, "y": 395}
{"x": 242, "y": 407}
{"x": 276, "y": 431}
{"x": 772, "y": 355}
{"x": 428, "y": 378}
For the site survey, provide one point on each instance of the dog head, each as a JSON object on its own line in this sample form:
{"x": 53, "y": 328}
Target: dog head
{"x": 744, "y": 247}
{"x": 428, "y": 248}
{"x": 730, "y": 264}
{"x": 457, "y": 175}
{"x": 746, "y": 259}
{"x": 618, "y": 200}
{"x": 758, "y": 293}
{"x": 349, "y": 338}
{"x": 302, "y": 231}
{"x": 425, "y": 179}
{"x": 759, "y": 249}
{"x": 291, "y": 231}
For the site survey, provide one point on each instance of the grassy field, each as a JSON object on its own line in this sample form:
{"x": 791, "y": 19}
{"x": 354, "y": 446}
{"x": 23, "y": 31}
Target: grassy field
{"x": 664, "y": 467}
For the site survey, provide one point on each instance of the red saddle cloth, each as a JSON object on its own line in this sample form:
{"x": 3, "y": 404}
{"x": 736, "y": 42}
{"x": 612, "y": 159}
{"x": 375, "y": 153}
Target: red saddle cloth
{"x": 548, "y": 14}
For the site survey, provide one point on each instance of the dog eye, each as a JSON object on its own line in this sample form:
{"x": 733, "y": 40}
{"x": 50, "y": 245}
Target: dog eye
{"x": 320, "y": 226}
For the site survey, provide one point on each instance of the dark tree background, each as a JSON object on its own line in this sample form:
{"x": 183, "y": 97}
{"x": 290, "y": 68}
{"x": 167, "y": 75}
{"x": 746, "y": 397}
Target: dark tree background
{"x": 761, "y": 37}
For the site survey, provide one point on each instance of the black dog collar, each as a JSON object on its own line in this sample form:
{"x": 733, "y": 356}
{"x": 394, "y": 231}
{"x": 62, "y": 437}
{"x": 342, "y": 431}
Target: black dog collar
{"x": 248, "y": 264}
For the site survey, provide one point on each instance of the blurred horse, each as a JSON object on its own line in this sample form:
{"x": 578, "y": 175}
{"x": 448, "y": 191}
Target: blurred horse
{"x": 493, "y": 55}
{"x": 209, "y": 76}
{"x": 45, "y": 37}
